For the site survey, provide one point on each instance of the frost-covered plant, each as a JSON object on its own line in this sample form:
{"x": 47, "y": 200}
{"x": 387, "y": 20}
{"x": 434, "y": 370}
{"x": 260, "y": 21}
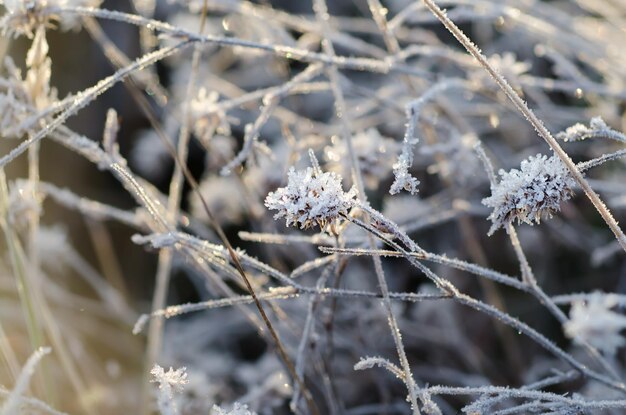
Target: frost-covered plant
{"x": 12, "y": 403}
{"x": 241, "y": 93}
{"x": 593, "y": 320}
{"x": 170, "y": 382}
{"x": 597, "y": 128}
{"x": 311, "y": 198}
{"x": 533, "y": 192}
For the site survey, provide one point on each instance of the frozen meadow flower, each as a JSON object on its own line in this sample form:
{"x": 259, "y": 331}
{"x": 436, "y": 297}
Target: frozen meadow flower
{"x": 170, "y": 382}
{"x": 311, "y": 197}
{"x": 594, "y": 322}
{"x": 528, "y": 194}
{"x": 172, "y": 379}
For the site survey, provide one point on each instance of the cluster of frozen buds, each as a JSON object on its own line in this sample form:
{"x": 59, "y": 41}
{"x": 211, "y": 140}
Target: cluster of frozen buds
{"x": 533, "y": 192}
{"x": 311, "y": 197}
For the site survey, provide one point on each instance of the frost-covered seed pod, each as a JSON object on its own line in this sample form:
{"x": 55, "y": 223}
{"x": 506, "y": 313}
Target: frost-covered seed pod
{"x": 531, "y": 193}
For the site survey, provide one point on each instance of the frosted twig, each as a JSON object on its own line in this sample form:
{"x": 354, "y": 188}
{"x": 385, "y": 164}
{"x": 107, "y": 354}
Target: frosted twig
{"x": 447, "y": 288}
{"x": 485, "y": 403}
{"x": 597, "y": 129}
{"x": 343, "y": 62}
{"x": 87, "y": 207}
{"x": 308, "y": 331}
{"x": 180, "y": 309}
{"x": 443, "y": 260}
{"x": 12, "y": 402}
{"x": 403, "y": 179}
{"x": 145, "y": 79}
{"x": 88, "y": 95}
{"x": 370, "y": 362}
{"x": 586, "y": 165}
{"x": 159, "y": 296}
{"x": 281, "y": 239}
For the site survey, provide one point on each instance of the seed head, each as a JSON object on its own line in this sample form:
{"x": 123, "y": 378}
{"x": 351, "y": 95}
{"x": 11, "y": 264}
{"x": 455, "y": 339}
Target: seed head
{"x": 311, "y": 197}
{"x": 531, "y": 193}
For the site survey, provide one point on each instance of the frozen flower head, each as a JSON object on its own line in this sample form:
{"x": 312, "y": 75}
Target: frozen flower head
{"x": 171, "y": 379}
{"x": 531, "y": 193}
{"x": 311, "y": 197}
{"x": 593, "y": 321}
{"x": 170, "y": 382}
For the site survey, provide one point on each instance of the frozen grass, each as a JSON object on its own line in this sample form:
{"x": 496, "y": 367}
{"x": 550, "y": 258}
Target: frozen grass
{"x": 372, "y": 135}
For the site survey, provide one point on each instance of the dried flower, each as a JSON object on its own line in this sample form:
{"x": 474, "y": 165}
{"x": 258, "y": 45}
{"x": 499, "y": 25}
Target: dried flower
{"x": 594, "y": 322}
{"x": 311, "y": 197}
{"x": 174, "y": 379}
{"x": 528, "y": 194}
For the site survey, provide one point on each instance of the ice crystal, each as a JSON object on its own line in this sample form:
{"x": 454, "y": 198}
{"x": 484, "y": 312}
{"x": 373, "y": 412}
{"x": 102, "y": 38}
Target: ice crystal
{"x": 531, "y": 193}
{"x": 594, "y": 322}
{"x": 311, "y": 197}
